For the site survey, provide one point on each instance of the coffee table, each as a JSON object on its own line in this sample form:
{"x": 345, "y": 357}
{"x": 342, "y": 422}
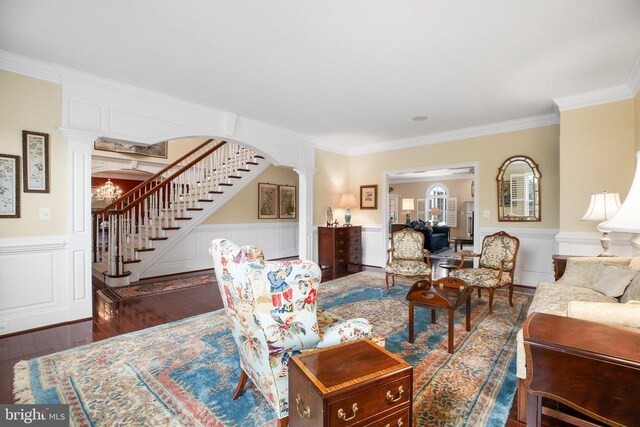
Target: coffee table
{"x": 448, "y": 294}
{"x": 461, "y": 241}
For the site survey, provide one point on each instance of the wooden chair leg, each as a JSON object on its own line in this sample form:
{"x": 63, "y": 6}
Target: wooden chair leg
{"x": 386, "y": 279}
{"x": 241, "y": 384}
{"x": 522, "y": 401}
{"x": 511, "y": 294}
{"x": 491, "y": 300}
{"x": 479, "y": 296}
{"x": 393, "y": 280}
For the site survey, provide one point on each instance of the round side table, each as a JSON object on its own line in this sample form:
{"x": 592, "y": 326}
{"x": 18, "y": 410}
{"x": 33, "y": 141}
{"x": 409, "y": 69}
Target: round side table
{"x": 448, "y": 267}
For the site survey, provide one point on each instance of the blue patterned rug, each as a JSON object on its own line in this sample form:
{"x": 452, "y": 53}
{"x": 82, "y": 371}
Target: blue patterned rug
{"x": 184, "y": 373}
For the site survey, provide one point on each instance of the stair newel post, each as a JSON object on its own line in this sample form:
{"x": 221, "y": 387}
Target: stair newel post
{"x": 161, "y": 211}
{"x": 140, "y": 222}
{"x": 154, "y": 218}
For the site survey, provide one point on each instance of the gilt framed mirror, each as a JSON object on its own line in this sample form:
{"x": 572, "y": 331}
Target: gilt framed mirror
{"x": 519, "y": 190}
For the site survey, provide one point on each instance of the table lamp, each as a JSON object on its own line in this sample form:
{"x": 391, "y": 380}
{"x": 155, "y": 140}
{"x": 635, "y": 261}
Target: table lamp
{"x": 347, "y": 201}
{"x": 407, "y": 206}
{"x": 603, "y": 206}
{"x": 435, "y": 211}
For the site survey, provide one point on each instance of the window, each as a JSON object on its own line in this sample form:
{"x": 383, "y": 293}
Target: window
{"x": 437, "y": 196}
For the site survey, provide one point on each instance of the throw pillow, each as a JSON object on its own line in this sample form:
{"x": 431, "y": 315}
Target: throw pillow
{"x": 612, "y": 280}
{"x": 633, "y": 290}
{"x": 584, "y": 271}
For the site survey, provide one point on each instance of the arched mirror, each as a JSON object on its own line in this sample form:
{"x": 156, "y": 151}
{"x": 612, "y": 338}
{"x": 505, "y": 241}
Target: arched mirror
{"x": 519, "y": 190}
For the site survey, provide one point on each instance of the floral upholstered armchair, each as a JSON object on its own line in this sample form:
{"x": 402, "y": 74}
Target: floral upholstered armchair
{"x": 496, "y": 266}
{"x": 406, "y": 257}
{"x": 272, "y": 308}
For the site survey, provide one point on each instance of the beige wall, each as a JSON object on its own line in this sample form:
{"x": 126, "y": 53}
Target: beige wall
{"x": 175, "y": 149}
{"x": 31, "y": 104}
{"x": 330, "y": 181}
{"x": 597, "y": 147}
{"x": 458, "y": 188}
{"x": 243, "y": 208}
{"x": 490, "y": 151}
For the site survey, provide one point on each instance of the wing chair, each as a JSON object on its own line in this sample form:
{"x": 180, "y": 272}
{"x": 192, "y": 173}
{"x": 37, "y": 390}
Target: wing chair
{"x": 272, "y": 309}
{"x": 406, "y": 257}
{"x": 496, "y": 266}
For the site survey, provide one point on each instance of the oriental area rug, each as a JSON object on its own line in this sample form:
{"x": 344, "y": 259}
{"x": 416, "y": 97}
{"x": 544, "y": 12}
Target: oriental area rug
{"x": 184, "y": 373}
{"x": 153, "y": 288}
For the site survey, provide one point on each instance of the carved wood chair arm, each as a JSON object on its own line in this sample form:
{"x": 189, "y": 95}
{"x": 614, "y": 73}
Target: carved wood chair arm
{"x": 465, "y": 256}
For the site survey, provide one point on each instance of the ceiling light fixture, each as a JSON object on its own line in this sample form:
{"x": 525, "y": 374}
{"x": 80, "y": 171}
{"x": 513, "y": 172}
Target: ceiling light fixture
{"x": 419, "y": 118}
{"x": 109, "y": 192}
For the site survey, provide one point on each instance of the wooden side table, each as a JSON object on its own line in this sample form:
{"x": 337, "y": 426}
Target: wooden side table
{"x": 447, "y": 294}
{"x": 356, "y": 383}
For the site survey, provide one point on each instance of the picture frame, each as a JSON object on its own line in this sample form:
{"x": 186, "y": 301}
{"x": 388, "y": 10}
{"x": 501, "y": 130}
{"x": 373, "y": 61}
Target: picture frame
{"x": 117, "y": 146}
{"x": 35, "y": 162}
{"x": 287, "y": 201}
{"x": 368, "y": 197}
{"x": 9, "y": 186}
{"x": 267, "y": 201}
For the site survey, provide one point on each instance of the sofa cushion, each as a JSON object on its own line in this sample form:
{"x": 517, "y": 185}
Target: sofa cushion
{"x": 615, "y": 314}
{"x": 612, "y": 280}
{"x": 553, "y": 299}
{"x": 581, "y": 271}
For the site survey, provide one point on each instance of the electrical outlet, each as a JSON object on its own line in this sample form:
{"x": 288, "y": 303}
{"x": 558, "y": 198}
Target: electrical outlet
{"x": 4, "y": 327}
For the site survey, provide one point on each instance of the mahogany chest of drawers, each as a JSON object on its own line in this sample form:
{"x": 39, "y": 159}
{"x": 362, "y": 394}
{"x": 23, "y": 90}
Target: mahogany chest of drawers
{"x": 352, "y": 384}
{"x": 339, "y": 246}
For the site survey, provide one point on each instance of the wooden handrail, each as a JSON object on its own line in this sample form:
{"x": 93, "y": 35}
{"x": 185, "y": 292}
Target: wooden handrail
{"x": 167, "y": 181}
{"x": 157, "y": 175}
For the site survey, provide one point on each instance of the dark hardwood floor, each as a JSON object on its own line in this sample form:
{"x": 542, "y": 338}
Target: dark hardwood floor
{"x": 110, "y": 320}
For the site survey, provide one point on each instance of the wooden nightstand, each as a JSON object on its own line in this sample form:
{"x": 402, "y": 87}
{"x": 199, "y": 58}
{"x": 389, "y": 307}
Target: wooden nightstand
{"x": 353, "y": 383}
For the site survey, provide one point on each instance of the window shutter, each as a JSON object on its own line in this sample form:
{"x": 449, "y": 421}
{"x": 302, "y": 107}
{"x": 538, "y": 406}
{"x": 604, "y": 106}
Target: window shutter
{"x": 518, "y": 195}
{"x": 422, "y": 209}
{"x": 452, "y": 210}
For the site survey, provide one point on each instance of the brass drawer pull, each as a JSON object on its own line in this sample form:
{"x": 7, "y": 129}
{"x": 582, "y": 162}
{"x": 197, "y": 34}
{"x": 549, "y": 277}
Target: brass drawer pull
{"x": 399, "y": 423}
{"x": 391, "y": 398}
{"x": 307, "y": 410}
{"x": 343, "y": 415}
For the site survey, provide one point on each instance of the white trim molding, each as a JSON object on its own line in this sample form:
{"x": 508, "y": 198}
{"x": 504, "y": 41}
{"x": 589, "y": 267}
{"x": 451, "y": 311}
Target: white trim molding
{"x": 633, "y": 79}
{"x": 10, "y": 245}
{"x": 276, "y": 239}
{"x": 596, "y": 97}
{"x": 588, "y": 243}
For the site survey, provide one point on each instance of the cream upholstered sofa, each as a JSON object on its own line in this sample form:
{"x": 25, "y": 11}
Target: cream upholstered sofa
{"x": 598, "y": 289}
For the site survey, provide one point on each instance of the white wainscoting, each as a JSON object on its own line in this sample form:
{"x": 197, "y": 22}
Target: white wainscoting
{"x": 276, "y": 239}
{"x": 35, "y": 282}
{"x": 537, "y": 246}
{"x": 588, "y": 244}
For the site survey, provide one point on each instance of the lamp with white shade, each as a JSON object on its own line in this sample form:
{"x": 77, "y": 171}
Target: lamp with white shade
{"x": 603, "y": 206}
{"x": 408, "y": 206}
{"x": 627, "y": 219}
{"x": 347, "y": 200}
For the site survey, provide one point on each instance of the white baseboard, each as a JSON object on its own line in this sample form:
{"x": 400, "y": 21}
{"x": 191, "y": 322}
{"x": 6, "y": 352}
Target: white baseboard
{"x": 35, "y": 278}
{"x": 191, "y": 253}
{"x": 588, "y": 244}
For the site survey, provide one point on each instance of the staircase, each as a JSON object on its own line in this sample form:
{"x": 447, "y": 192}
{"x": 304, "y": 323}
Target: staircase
{"x": 131, "y": 233}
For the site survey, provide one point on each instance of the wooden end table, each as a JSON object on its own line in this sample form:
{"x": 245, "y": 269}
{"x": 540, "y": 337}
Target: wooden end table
{"x": 356, "y": 383}
{"x": 448, "y": 294}
{"x": 461, "y": 241}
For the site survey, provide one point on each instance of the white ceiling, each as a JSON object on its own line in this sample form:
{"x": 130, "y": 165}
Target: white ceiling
{"x": 349, "y": 73}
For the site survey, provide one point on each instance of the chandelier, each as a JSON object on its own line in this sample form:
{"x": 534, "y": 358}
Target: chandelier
{"x": 109, "y": 192}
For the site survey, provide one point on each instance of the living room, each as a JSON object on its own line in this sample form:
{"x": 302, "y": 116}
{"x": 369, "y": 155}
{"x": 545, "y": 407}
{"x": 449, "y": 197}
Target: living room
{"x": 567, "y": 97}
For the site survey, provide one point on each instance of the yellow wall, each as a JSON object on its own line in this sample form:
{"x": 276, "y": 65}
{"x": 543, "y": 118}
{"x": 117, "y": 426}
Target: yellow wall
{"x": 541, "y": 144}
{"x": 31, "y": 104}
{"x": 637, "y": 119}
{"x": 243, "y": 208}
{"x": 458, "y": 188}
{"x": 330, "y": 181}
{"x": 597, "y": 146}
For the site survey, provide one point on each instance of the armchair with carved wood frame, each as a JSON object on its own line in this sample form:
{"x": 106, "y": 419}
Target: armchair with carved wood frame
{"x": 496, "y": 266}
{"x": 406, "y": 257}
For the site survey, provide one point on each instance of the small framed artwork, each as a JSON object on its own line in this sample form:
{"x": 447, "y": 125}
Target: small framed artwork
{"x": 287, "y": 197}
{"x": 368, "y": 197}
{"x": 9, "y": 186}
{"x": 35, "y": 161}
{"x": 267, "y": 201}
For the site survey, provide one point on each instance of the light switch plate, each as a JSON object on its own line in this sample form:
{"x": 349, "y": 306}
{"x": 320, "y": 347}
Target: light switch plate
{"x": 45, "y": 213}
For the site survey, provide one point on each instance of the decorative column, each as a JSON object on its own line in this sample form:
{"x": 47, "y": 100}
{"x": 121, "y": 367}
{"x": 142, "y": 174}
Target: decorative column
{"x": 79, "y": 146}
{"x": 305, "y": 211}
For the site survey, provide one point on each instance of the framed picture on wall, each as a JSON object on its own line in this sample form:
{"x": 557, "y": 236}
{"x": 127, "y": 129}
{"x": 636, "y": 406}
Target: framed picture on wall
{"x": 116, "y": 146}
{"x": 287, "y": 197}
{"x": 9, "y": 186}
{"x": 368, "y": 197}
{"x": 35, "y": 161}
{"x": 267, "y": 201}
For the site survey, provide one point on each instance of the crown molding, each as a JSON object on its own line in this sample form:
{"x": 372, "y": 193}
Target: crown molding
{"x": 633, "y": 79}
{"x": 596, "y": 97}
{"x": 432, "y": 179}
{"x": 543, "y": 120}
{"x": 31, "y": 67}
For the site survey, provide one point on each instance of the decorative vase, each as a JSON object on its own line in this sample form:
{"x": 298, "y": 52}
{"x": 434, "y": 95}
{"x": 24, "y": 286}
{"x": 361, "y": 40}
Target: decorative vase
{"x": 347, "y": 216}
